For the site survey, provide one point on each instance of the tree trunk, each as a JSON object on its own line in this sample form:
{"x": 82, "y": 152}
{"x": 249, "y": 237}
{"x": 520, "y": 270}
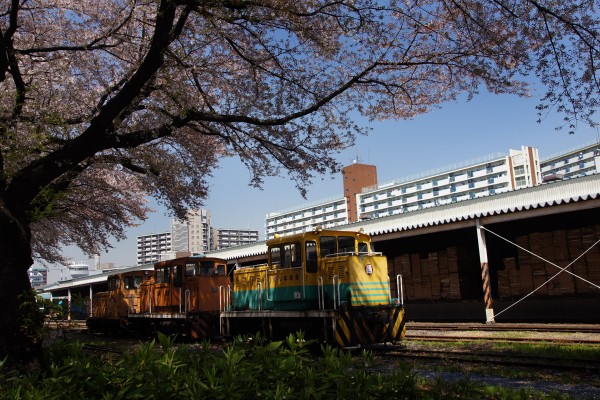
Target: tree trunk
{"x": 16, "y": 340}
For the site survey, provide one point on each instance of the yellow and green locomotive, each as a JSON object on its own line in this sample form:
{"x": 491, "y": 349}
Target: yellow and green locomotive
{"x": 329, "y": 284}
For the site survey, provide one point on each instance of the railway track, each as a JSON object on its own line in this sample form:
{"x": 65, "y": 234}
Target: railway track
{"x": 501, "y": 327}
{"x": 495, "y": 359}
{"x": 458, "y": 338}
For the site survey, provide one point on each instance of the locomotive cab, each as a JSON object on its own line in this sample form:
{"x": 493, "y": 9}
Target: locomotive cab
{"x": 111, "y": 308}
{"x": 189, "y": 284}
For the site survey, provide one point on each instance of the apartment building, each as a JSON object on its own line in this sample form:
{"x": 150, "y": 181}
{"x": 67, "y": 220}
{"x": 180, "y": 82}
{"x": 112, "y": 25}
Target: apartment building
{"x": 486, "y": 176}
{"x": 224, "y": 238}
{"x": 365, "y": 199}
{"x": 581, "y": 161}
{"x": 150, "y": 248}
{"x": 326, "y": 213}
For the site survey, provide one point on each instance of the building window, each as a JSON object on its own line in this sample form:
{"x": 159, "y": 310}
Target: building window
{"x": 418, "y": 186}
{"x": 470, "y": 174}
{"x": 490, "y": 180}
{"x": 419, "y": 196}
{"x": 520, "y": 181}
{"x": 452, "y": 189}
{"x": 488, "y": 168}
{"x": 471, "y": 185}
{"x": 519, "y": 170}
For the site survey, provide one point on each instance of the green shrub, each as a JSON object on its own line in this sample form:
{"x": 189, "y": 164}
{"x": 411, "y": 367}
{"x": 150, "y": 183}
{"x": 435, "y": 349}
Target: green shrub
{"x": 247, "y": 368}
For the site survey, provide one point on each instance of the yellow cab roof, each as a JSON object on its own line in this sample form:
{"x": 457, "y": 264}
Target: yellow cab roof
{"x": 299, "y": 237}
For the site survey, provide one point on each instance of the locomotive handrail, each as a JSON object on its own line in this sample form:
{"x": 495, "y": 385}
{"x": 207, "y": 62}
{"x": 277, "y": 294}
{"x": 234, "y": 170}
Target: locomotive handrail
{"x": 179, "y": 300}
{"x": 336, "y": 303}
{"x": 389, "y": 290}
{"x": 224, "y": 301}
{"x": 221, "y": 305}
{"x": 320, "y": 293}
{"x": 354, "y": 253}
{"x": 259, "y": 283}
{"x": 400, "y": 288}
{"x": 267, "y": 285}
{"x": 150, "y": 303}
{"x": 188, "y": 301}
{"x": 131, "y": 304}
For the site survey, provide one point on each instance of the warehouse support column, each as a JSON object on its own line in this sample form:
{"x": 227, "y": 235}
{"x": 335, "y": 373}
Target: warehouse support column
{"x": 485, "y": 274}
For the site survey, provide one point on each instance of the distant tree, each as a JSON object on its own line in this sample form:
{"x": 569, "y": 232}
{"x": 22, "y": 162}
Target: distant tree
{"x": 106, "y": 102}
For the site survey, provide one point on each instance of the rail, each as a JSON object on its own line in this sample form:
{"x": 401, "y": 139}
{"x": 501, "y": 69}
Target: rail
{"x": 354, "y": 253}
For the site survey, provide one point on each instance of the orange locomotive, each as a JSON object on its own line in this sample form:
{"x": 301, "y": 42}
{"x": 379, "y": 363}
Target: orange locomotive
{"x": 110, "y": 309}
{"x": 183, "y": 296}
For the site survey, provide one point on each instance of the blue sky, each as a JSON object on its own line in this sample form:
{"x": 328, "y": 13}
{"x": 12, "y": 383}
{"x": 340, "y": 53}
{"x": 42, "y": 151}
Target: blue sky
{"x": 458, "y": 132}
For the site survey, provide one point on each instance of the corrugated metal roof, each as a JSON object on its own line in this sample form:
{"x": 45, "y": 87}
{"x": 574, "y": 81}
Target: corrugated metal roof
{"x": 92, "y": 279}
{"x": 246, "y": 250}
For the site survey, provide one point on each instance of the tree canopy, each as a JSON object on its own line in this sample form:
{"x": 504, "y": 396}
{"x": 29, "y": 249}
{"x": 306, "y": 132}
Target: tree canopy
{"x": 103, "y": 102}
{"x": 106, "y": 102}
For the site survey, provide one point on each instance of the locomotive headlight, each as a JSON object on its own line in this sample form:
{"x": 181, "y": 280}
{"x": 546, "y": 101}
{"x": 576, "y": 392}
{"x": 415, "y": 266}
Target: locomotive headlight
{"x": 369, "y": 269}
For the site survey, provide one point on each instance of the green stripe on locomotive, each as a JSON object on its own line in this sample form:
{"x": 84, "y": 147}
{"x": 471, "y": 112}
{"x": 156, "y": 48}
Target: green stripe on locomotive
{"x": 298, "y": 298}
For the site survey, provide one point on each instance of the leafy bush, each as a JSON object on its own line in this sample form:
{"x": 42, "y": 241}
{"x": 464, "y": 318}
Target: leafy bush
{"x": 245, "y": 369}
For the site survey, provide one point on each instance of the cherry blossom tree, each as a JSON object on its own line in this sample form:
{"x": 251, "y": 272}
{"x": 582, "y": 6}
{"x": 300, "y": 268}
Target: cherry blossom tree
{"x": 106, "y": 102}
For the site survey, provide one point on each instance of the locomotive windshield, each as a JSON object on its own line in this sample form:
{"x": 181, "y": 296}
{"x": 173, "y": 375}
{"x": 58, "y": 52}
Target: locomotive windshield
{"x": 332, "y": 245}
{"x": 286, "y": 255}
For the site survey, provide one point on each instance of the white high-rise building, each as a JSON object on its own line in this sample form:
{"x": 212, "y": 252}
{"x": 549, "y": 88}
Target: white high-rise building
{"x": 224, "y": 238}
{"x": 576, "y": 162}
{"x": 327, "y": 214}
{"x": 150, "y": 248}
{"x": 199, "y": 231}
{"x": 486, "y": 176}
